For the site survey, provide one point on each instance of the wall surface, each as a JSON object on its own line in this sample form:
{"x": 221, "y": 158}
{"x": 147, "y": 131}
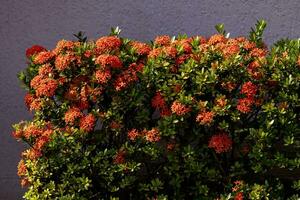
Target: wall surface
{"x": 27, "y": 22}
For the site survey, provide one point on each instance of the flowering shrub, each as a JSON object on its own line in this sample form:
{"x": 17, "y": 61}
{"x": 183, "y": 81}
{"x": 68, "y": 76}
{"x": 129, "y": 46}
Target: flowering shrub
{"x": 180, "y": 118}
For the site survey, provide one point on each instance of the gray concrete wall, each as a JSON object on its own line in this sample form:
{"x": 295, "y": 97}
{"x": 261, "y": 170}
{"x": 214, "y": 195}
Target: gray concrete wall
{"x": 27, "y": 22}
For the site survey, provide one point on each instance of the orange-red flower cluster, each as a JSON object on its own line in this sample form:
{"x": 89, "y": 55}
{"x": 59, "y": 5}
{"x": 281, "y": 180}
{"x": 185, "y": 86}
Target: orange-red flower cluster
{"x": 109, "y": 60}
{"x": 179, "y": 109}
{"x": 64, "y": 45}
{"x": 249, "y": 89}
{"x": 162, "y": 40}
{"x": 35, "y": 49}
{"x": 63, "y": 61}
{"x": 205, "y": 117}
{"x": 158, "y": 101}
{"x": 239, "y": 196}
{"x": 244, "y": 104}
{"x": 120, "y": 157}
{"x": 45, "y": 70}
{"x": 140, "y": 47}
{"x": 107, "y": 43}
{"x": 254, "y": 70}
{"x": 103, "y": 76}
{"x": 220, "y": 143}
{"x": 72, "y": 114}
{"x": 133, "y": 134}
{"x": 127, "y": 77}
{"x": 87, "y": 123}
{"x": 43, "y": 57}
{"x": 152, "y": 135}
{"x": 22, "y": 169}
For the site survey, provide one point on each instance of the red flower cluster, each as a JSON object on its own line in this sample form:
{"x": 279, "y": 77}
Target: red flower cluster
{"x": 162, "y": 40}
{"x": 44, "y": 86}
{"x": 249, "y": 89}
{"x": 185, "y": 44}
{"x": 215, "y": 39}
{"x": 35, "y": 49}
{"x": 152, "y": 135}
{"x": 119, "y": 157}
{"x": 22, "y": 169}
{"x": 45, "y": 70}
{"x": 64, "y": 45}
{"x": 87, "y": 123}
{"x": 63, "y": 61}
{"x": 254, "y": 70}
{"x": 205, "y": 117}
{"x": 107, "y": 44}
{"x": 244, "y": 104}
{"x": 127, "y": 77}
{"x": 72, "y": 114}
{"x": 220, "y": 143}
{"x": 43, "y": 57}
{"x": 133, "y": 134}
{"x": 158, "y": 101}
{"x": 103, "y": 76}
{"x": 140, "y": 48}
{"x": 239, "y": 196}
{"x": 109, "y": 60}
{"x": 179, "y": 108}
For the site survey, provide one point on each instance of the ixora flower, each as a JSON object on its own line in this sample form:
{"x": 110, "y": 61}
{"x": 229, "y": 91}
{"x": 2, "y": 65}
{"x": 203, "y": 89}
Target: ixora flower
{"x": 176, "y": 118}
{"x": 220, "y": 143}
{"x": 35, "y": 49}
{"x": 87, "y": 123}
{"x": 179, "y": 108}
{"x": 109, "y": 60}
{"x": 205, "y": 117}
{"x": 107, "y": 44}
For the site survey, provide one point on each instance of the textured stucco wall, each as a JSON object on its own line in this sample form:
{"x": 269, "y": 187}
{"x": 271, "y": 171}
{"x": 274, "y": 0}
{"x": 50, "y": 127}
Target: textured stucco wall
{"x": 27, "y": 22}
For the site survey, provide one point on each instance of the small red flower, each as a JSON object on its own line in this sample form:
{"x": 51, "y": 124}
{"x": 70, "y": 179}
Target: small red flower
{"x": 43, "y": 57}
{"x": 162, "y": 40}
{"x": 220, "y": 143}
{"x": 179, "y": 108}
{"x": 244, "y": 105}
{"x": 29, "y": 98}
{"x": 158, "y": 101}
{"x": 256, "y": 52}
{"x": 239, "y": 196}
{"x": 119, "y": 157}
{"x": 154, "y": 53}
{"x": 24, "y": 182}
{"x": 103, "y": 76}
{"x": 64, "y": 45}
{"x": 109, "y": 60}
{"x": 126, "y": 77}
{"x": 22, "y": 169}
{"x": 140, "y": 48}
{"x": 107, "y": 43}
{"x": 47, "y": 87}
{"x": 45, "y": 70}
{"x": 133, "y": 134}
{"x": 170, "y": 51}
{"x": 63, "y": 62}
{"x": 152, "y": 135}
{"x": 87, "y": 123}
{"x": 72, "y": 114}
{"x": 32, "y": 131}
{"x": 215, "y": 39}
{"x": 205, "y": 118}
{"x": 35, "y": 49}
{"x": 249, "y": 89}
